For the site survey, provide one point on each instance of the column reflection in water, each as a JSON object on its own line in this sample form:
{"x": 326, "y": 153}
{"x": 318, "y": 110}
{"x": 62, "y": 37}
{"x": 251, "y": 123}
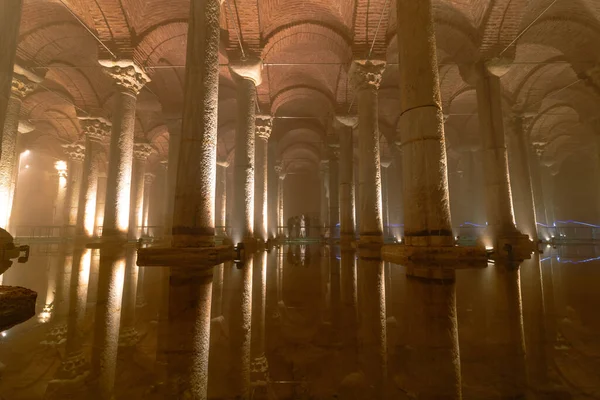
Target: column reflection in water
{"x": 372, "y": 343}
{"x": 187, "y": 347}
{"x": 492, "y": 332}
{"x": 259, "y": 366}
{"x": 74, "y": 365}
{"x": 240, "y": 311}
{"x": 534, "y": 321}
{"x": 92, "y": 294}
{"x": 348, "y": 329}
{"x": 429, "y": 361}
{"x": 111, "y": 277}
{"x": 128, "y": 335}
{"x": 60, "y": 308}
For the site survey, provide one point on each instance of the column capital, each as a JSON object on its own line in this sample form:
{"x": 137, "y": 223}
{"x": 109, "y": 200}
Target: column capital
{"x": 250, "y": 68}
{"x": 164, "y": 164}
{"x": 324, "y": 166}
{"x": 280, "y": 170}
{"x": 23, "y": 82}
{"x": 334, "y": 151}
{"x": 95, "y": 128}
{"x": 149, "y": 178}
{"x": 25, "y": 127}
{"x": 61, "y": 169}
{"x": 142, "y": 150}
{"x": 264, "y": 126}
{"x": 223, "y": 163}
{"x": 367, "y": 74}
{"x": 75, "y": 151}
{"x": 126, "y": 74}
{"x": 350, "y": 121}
{"x": 385, "y": 162}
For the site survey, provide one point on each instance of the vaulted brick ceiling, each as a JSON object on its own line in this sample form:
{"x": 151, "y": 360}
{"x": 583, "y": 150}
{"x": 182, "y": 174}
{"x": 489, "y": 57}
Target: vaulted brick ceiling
{"x": 307, "y": 46}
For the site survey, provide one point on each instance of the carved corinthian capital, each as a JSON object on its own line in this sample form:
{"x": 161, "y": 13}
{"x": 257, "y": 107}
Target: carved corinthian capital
{"x": 75, "y": 151}
{"x": 95, "y": 128}
{"x": 23, "y": 82}
{"x": 126, "y": 74}
{"x": 264, "y": 126}
{"x": 367, "y": 74}
{"x": 142, "y": 150}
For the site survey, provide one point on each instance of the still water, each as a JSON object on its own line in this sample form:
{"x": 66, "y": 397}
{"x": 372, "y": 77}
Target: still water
{"x": 304, "y": 322}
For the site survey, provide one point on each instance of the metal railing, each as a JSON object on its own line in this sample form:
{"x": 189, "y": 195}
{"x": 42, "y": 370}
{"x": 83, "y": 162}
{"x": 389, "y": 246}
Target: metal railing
{"x": 38, "y": 232}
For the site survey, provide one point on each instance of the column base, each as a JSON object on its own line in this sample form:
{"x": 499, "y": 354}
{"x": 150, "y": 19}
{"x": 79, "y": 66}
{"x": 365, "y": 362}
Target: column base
{"x": 516, "y": 247}
{"x": 449, "y": 255}
{"x": 129, "y": 337}
{"x": 56, "y": 336}
{"x": 73, "y": 369}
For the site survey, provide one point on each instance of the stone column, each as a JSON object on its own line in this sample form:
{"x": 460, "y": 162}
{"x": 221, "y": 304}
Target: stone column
{"x": 10, "y": 20}
{"x": 334, "y": 198}
{"x": 523, "y": 201}
{"x": 141, "y": 152}
{"x": 366, "y": 77}
{"x": 100, "y": 203}
{"x": 24, "y": 127}
{"x": 76, "y": 155}
{"x": 346, "y": 171}
{"x": 272, "y": 188}
{"x": 424, "y": 170}
{"x": 500, "y": 217}
{"x": 23, "y": 83}
{"x": 129, "y": 79}
{"x": 148, "y": 181}
{"x": 397, "y": 186}
{"x": 171, "y": 181}
{"x": 324, "y": 174}
{"x": 96, "y": 131}
{"x": 221, "y": 205}
{"x": 128, "y": 335}
{"x": 280, "y": 192}
{"x": 248, "y": 76}
{"x": 538, "y": 192}
{"x": 385, "y": 196}
{"x": 61, "y": 192}
{"x": 263, "y": 131}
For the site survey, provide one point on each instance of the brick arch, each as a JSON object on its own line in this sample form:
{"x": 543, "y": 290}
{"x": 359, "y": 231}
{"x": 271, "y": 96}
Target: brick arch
{"x": 310, "y": 97}
{"x": 77, "y": 83}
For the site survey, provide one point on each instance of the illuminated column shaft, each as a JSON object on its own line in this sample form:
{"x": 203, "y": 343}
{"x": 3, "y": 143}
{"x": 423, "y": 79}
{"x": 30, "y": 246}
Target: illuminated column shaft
{"x": 346, "y": 171}
{"x": 385, "y": 196}
{"x": 148, "y": 181}
{"x": 171, "y": 181}
{"x": 24, "y": 127}
{"x": 129, "y": 80}
{"x": 334, "y": 197}
{"x": 280, "y": 192}
{"x": 76, "y": 154}
{"x": 259, "y": 366}
{"x": 521, "y": 178}
{"x": 100, "y": 203}
{"x": 61, "y": 192}
{"x": 96, "y": 131}
{"x": 263, "y": 131}
{"x": 10, "y": 20}
{"x": 272, "y": 188}
{"x": 141, "y": 152}
{"x": 221, "y": 205}
{"x": 425, "y": 175}
{"x": 499, "y": 208}
{"x": 248, "y": 77}
{"x": 324, "y": 174}
{"x": 366, "y": 76}
{"x": 23, "y": 83}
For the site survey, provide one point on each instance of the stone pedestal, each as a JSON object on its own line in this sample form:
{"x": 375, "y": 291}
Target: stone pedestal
{"x": 248, "y": 76}
{"x": 366, "y": 77}
{"x": 96, "y": 131}
{"x": 263, "y": 131}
